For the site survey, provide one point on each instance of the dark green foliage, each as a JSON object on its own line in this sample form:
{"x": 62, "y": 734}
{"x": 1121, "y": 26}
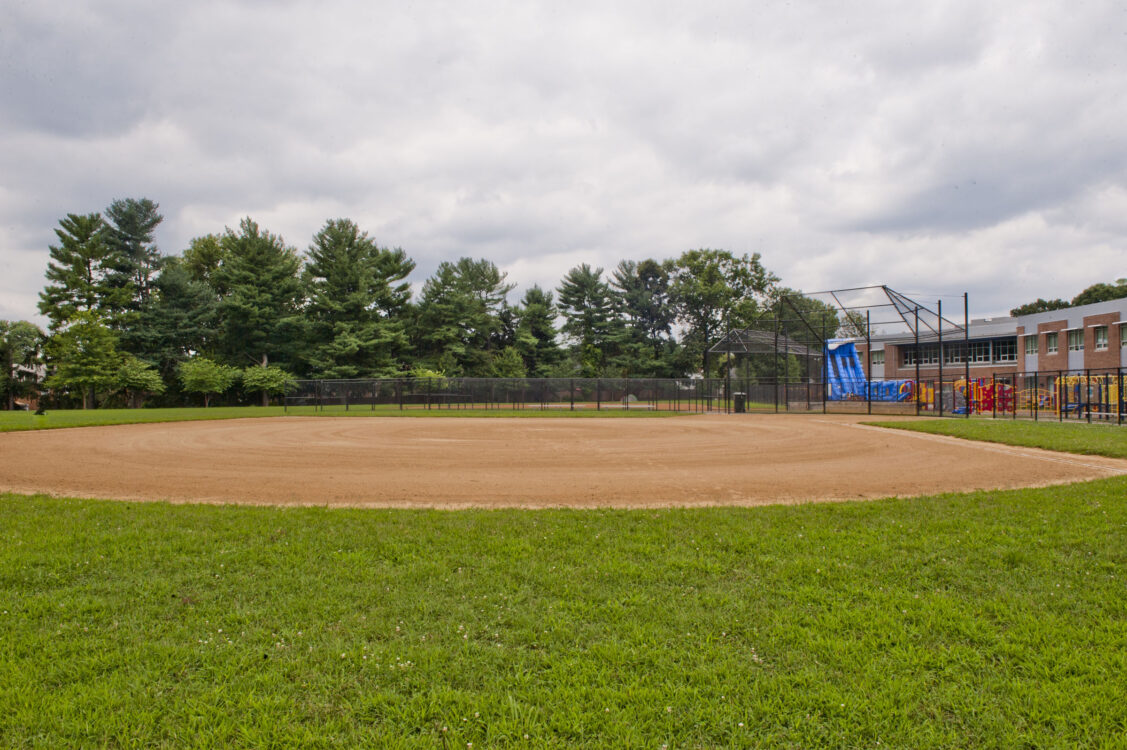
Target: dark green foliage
{"x": 1041, "y": 305}
{"x": 260, "y": 311}
{"x": 536, "y": 336}
{"x": 590, "y": 319}
{"x": 21, "y": 346}
{"x": 1099, "y": 292}
{"x": 76, "y": 273}
{"x": 132, "y": 261}
{"x": 458, "y": 317}
{"x": 179, "y": 318}
{"x": 358, "y": 301}
{"x": 647, "y": 348}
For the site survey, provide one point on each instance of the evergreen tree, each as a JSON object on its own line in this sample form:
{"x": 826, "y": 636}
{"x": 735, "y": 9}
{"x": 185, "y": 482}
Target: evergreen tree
{"x": 260, "y": 312}
{"x": 642, "y": 292}
{"x": 133, "y": 259}
{"x": 459, "y": 317}
{"x": 588, "y": 307}
{"x": 178, "y": 320}
{"x": 358, "y": 300}
{"x": 76, "y": 273}
{"x": 536, "y": 333}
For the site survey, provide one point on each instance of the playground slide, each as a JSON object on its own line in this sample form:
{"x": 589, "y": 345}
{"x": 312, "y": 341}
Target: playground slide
{"x": 846, "y": 376}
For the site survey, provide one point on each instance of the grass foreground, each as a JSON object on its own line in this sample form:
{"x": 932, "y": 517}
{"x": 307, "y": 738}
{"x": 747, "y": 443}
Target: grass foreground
{"x": 12, "y": 421}
{"x": 1071, "y": 437}
{"x": 986, "y": 620}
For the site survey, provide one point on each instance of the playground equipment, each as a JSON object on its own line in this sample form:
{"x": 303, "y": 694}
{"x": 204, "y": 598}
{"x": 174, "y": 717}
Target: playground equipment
{"x": 1099, "y": 394}
{"x": 845, "y": 377}
{"x": 986, "y": 395}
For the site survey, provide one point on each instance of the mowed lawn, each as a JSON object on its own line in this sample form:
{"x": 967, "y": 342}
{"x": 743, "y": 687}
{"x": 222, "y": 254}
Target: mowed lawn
{"x": 12, "y": 421}
{"x": 1073, "y": 437}
{"x": 994, "y": 619}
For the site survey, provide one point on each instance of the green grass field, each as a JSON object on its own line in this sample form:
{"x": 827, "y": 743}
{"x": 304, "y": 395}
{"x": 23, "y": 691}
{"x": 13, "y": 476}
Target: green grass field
{"x": 1073, "y": 437}
{"x": 11, "y": 421}
{"x": 990, "y": 619}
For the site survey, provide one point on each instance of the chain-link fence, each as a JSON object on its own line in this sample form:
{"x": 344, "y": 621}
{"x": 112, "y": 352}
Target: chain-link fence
{"x": 1092, "y": 395}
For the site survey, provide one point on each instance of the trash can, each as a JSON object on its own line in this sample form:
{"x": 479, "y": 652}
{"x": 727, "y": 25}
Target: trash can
{"x": 740, "y": 402}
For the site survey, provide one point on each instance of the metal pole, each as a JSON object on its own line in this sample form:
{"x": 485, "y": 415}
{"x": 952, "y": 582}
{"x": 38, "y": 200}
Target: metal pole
{"x": 966, "y": 344}
{"x": 993, "y": 395}
{"x": 1088, "y": 394}
{"x": 825, "y": 364}
{"x": 598, "y": 395}
{"x": 869, "y": 360}
{"x": 919, "y": 385}
{"x": 939, "y": 326}
{"x": 1061, "y": 402}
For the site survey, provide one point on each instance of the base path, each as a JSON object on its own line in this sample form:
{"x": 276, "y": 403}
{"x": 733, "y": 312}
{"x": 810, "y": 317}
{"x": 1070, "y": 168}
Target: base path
{"x": 526, "y": 462}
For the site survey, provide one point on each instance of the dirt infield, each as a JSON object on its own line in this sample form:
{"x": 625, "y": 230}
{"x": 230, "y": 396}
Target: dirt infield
{"x": 451, "y": 463}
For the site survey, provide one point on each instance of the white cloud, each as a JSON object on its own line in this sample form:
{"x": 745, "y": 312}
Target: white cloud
{"x": 941, "y": 148}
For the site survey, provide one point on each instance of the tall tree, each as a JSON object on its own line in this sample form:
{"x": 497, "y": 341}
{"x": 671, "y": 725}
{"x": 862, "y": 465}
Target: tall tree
{"x": 134, "y": 260}
{"x": 1101, "y": 293}
{"x": 260, "y": 313}
{"x": 203, "y": 257}
{"x": 177, "y": 321}
{"x": 459, "y": 317}
{"x": 83, "y": 356}
{"x": 358, "y": 300}
{"x": 20, "y": 348}
{"x": 642, "y": 292}
{"x": 76, "y": 274}
{"x": 588, "y": 309}
{"x": 536, "y": 335}
{"x": 713, "y": 291}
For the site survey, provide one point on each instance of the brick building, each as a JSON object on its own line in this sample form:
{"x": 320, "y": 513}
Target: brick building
{"x": 1087, "y": 337}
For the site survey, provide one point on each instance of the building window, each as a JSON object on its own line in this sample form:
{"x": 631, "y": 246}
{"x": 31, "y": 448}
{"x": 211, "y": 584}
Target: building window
{"x": 980, "y": 352}
{"x": 929, "y": 354}
{"x": 1076, "y": 340}
{"x": 878, "y": 357}
{"x": 908, "y": 356}
{"x": 1005, "y": 350}
{"x": 1123, "y": 335}
{"x": 1101, "y": 338}
{"x": 1030, "y": 346}
{"x": 1050, "y": 343}
{"x": 954, "y": 354}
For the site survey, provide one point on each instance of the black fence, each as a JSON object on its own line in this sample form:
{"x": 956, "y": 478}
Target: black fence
{"x": 1091, "y": 395}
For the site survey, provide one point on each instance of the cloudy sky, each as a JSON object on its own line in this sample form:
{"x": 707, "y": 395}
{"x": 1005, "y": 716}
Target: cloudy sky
{"x": 938, "y": 148}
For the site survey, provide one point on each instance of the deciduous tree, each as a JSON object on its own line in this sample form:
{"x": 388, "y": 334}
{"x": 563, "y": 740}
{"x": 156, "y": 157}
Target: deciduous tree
{"x": 21, "y": 345}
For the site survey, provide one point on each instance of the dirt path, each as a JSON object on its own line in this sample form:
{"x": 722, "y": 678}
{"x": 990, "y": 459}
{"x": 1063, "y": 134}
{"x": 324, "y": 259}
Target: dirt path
{"x": 450, "y": 463}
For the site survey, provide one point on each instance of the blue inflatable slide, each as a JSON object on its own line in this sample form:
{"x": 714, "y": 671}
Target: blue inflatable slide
{"x": 845, "y": 377}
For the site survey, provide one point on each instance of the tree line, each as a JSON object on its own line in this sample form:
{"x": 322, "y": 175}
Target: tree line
{"x": 242, "y": 308}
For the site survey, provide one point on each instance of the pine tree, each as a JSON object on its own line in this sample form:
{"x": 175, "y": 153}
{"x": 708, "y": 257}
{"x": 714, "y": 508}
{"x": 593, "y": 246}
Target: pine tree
{"x": 260, "y": 312}
{"x": 358, "y": 300}
{"x": 76, "y": 274}
{"x": 587, "y": 305}
{"x": 536, "y": 335}
{"x": 459, "y": 317}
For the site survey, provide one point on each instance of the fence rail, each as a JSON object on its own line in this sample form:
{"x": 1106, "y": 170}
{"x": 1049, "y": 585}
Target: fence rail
{"x": 1092, "y": 395}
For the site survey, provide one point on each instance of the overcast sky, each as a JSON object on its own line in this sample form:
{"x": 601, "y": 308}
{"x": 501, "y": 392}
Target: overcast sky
{"x": 937, "y": 148}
